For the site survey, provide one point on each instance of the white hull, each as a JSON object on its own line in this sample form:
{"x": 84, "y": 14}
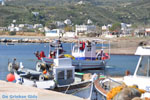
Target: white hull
{"x": 82, "y": 64}
{"x": 88, "y": 64}
{"x": 49, "y": 84}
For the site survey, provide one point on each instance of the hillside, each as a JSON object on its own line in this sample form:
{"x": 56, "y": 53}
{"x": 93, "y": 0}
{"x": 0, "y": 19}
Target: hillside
{"x": 99, "y": 11}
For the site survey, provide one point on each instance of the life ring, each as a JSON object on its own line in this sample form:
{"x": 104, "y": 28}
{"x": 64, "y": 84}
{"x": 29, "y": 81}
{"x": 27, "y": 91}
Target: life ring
{"x": 10, "y": 68}
{"x": 40, "y": 66}
{"x": 41, "y": 78}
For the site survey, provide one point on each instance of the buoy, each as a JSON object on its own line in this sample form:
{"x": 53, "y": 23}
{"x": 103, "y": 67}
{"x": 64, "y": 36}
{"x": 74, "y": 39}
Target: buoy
{"x": 127, "y": 72}
{"x": 45, "y": 71}
{"x": 10, "y": 77}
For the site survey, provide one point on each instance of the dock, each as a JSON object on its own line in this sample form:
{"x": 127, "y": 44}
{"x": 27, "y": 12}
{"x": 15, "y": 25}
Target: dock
{"x": 13, "y": 91}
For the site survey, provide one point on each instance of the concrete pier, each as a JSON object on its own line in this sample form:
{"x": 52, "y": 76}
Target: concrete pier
{"x": 13, "y": 91}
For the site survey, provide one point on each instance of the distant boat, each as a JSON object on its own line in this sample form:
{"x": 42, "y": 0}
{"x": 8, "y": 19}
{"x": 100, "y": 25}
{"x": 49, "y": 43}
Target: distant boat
{"x": 10, "y": 44}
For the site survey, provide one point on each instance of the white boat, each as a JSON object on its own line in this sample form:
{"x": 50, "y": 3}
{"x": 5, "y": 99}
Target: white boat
{"x": 61, "y": 78}
{"x": 139, "y": 81}
{"x": 84, "y": 56}
{"x": 141, "y": 76}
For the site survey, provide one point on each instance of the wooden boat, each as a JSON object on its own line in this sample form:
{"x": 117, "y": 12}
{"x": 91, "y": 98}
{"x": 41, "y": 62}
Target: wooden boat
{"x": 103, "y": 85}
{"x": 61, "y": 78}
{"x": 139, "y": 81}
{"x": 83, "y": 56}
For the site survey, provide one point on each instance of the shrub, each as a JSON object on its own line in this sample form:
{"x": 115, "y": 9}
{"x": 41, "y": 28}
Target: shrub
{"x": 12, "y": 33}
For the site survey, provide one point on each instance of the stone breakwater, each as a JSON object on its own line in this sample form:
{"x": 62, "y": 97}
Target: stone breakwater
{"x": 34, "y": 40}
{"x": 24, "y": 40}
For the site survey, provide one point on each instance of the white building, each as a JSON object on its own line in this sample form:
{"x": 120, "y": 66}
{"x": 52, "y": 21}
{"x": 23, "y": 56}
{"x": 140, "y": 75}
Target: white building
{"x": 67, "y": 21}
{"x": 3, "y": 28}
{"x": 16, "y": 29}
{"x": 85, "y": 29}
{"x": 89, "y": 21}
{"x": 105, "y": 30}
{"x": 60, "y": 24}
{"x": 54, "y": 32}
{"x": 80, "y": 3}
{"x": 21, "y": 25}
{"x": 69, "y": 34}
{"x": 35, "y": 13}
{"x": 125, "y": 28}
{"x": 38, "y": 26}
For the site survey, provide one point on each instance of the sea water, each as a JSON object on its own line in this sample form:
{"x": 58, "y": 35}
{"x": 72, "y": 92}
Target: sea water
{"x": 24, "y": 52}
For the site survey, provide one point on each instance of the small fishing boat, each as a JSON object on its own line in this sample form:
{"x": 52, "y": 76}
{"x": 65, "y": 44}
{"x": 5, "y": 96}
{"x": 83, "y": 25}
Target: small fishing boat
{"x": 61, "y": 78}
{"x": 138, "y": 84}
{"x": 84, "y": 57}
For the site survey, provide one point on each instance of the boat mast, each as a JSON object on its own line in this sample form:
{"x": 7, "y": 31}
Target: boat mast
{"x": 137, "y": 67}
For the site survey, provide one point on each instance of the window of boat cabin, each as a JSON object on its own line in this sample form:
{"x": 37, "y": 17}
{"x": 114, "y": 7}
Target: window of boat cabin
{"x": 144, "y": 67}
{"x": 76, "y": 49}
{"x": 61, "y": 74}
{"x": 69, "y": 74}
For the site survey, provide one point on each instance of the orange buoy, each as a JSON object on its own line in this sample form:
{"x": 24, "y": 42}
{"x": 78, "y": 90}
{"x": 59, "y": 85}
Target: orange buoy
{"x": 45, "y": 71}
{"x": 10, "y": 77}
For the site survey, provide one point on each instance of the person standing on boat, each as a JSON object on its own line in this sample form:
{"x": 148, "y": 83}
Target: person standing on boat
{"x": 60, "y": 47}
{"x": 15, "y": 64}
{"x": 88, "y": 43}
{"x": 37, "y": 55}
{"x": 42, "y": 54}
{"x": 82, "y": 45}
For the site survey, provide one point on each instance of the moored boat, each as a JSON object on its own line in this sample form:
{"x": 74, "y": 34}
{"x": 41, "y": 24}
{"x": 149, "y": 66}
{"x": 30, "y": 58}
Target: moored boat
{"x": 61, "y": 78}
{"x": 84, "y": 56}
{"x": 136, "y": 85}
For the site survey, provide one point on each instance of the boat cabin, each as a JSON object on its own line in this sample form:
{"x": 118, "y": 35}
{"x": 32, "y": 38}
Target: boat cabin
{"x": 84, "y": 50}
{"x": 63, "y": 71}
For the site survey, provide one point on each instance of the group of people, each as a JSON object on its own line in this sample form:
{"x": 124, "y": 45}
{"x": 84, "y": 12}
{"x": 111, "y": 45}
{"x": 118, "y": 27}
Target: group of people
{"x": 83, "y": 44}
{"x": 40, "y": 55}
{"x": 52, "y": 54}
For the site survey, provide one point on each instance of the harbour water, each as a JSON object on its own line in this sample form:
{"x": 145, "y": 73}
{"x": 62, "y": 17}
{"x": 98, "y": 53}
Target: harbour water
{"x": 24, "y": 52}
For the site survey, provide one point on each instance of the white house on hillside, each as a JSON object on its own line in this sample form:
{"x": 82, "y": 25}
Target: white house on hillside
{"x": 38, "y": 26}
{"x": 89, "y": 21}
{"x": 67, "y": 21}
{"x": 69, "y": 34}
{"x": 125, "y": 28}
{"x": 85, "y": 29}
{"x": 54, "y": 32}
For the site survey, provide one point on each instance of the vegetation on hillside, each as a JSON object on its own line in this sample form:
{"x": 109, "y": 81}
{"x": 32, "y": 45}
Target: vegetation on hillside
{"x": 99, "y": 11}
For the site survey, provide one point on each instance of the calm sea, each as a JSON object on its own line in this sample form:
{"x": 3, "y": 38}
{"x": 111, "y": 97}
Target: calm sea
{"x": 24, "y": 52}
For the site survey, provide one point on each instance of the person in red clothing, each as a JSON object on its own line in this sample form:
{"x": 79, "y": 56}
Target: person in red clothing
{"x": 42, "y": 54}
{"x": 82, "y": 45}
